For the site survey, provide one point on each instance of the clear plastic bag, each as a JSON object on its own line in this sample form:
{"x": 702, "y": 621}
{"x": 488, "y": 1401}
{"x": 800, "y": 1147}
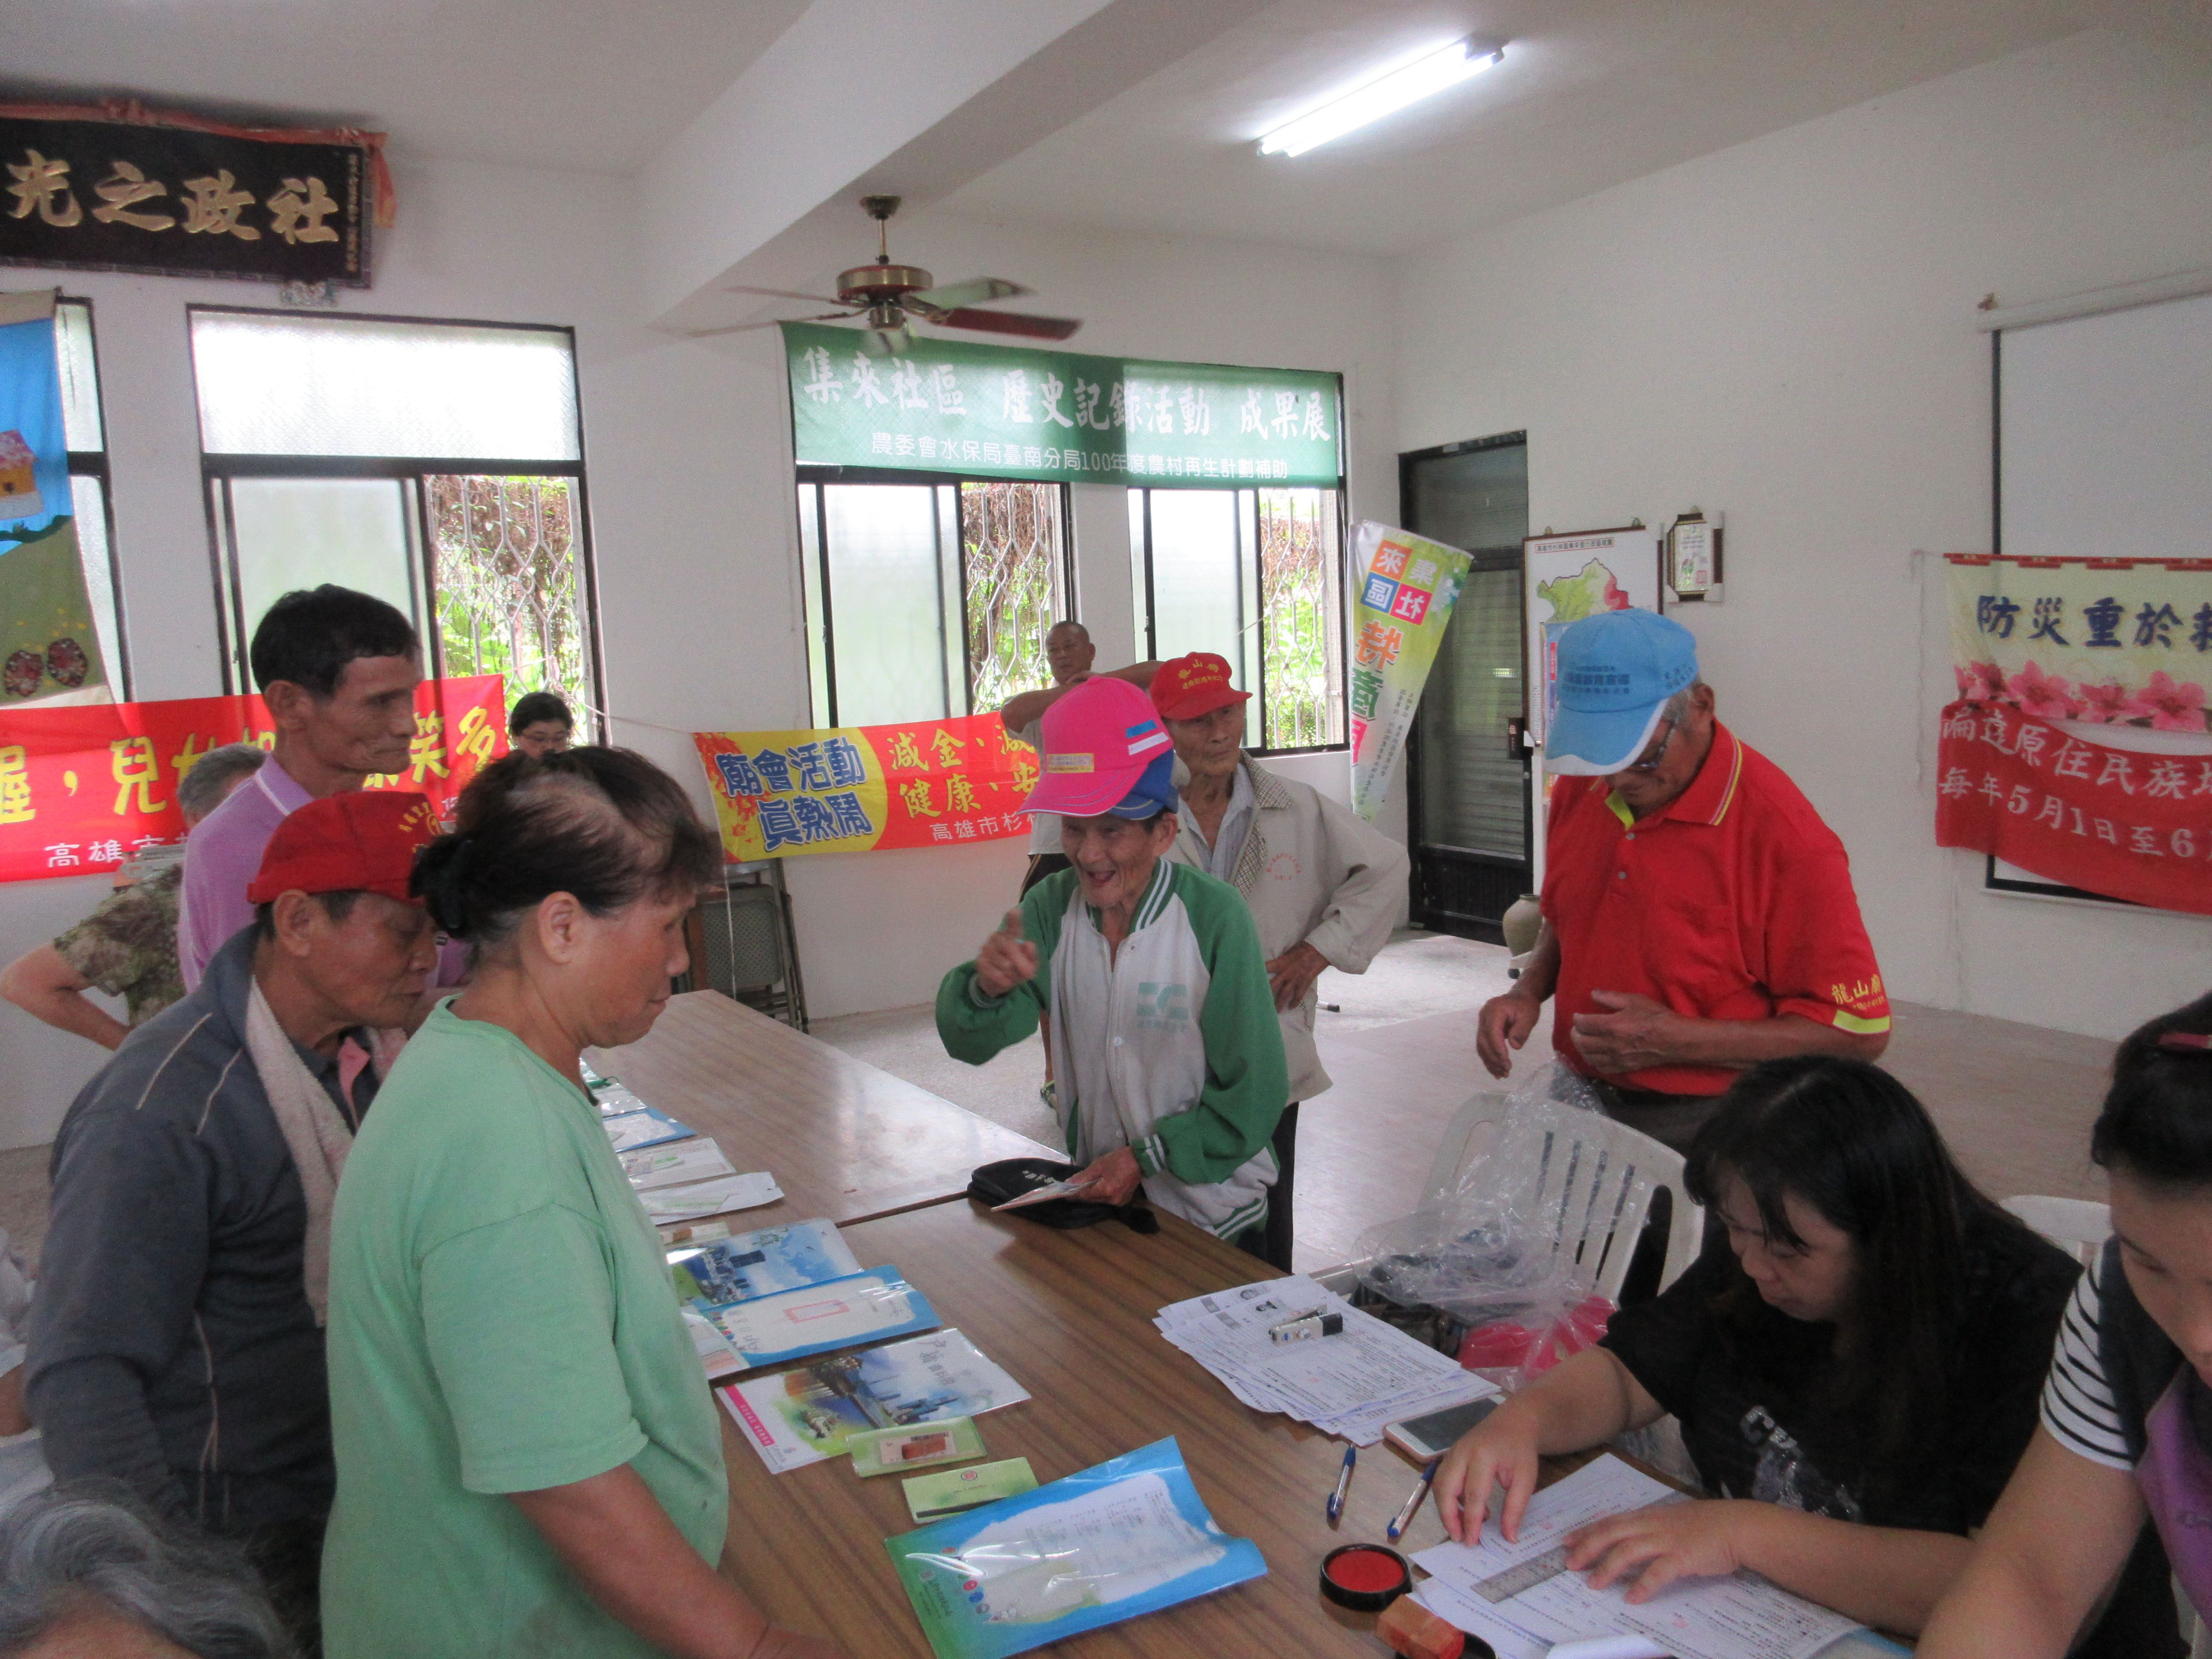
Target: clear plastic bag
{"x": 1488, "y": 1250}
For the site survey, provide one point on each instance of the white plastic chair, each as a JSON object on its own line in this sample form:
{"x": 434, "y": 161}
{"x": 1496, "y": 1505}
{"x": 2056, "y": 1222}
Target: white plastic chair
{"x": 1593, "y": 1188}
{"x": 2076, "y": 1225}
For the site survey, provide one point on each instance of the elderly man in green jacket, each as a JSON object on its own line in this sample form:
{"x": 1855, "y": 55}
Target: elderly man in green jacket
{"x": 1164, "y": 1039}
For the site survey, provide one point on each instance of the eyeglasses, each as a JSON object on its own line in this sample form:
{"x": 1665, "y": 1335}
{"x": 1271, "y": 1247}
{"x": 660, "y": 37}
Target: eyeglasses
{"x": 1649, "y": 761}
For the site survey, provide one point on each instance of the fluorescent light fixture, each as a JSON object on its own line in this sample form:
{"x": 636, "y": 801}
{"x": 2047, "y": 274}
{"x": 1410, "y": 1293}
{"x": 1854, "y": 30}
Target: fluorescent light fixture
{"x": 1386, "y": 95}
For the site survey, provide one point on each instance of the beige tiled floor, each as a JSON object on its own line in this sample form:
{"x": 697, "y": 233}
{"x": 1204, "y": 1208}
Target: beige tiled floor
{"x": 2014, "y": 1101}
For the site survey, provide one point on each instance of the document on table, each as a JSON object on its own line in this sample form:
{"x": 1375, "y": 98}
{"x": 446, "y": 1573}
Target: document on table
{"x": 675, "y": 1162}
{"x": 1354, "y": 1385}
{"x": 629, "y": 1131}
{"x": 737, "y": 1192}
{"x": 1522, "y": 1599}
{"x": 793, "y": 1324}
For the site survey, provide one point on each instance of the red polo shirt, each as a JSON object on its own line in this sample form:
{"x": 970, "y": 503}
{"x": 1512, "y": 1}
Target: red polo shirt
{"x": 1733, "y": 901}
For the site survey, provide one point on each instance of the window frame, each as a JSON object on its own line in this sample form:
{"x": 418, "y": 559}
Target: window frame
{"x": 816, "y": 587}
{"x": 413, "y": 472}
{"x": 1247, "y": 578}
{"x": 94, "y": 463}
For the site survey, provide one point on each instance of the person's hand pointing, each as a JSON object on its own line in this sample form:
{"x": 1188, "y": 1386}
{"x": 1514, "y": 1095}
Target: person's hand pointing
{"x": 1007, "y": 958}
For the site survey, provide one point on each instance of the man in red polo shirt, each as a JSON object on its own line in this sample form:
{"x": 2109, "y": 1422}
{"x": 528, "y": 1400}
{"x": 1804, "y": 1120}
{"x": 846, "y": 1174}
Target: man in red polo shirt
{"x": 1698, "y": 917}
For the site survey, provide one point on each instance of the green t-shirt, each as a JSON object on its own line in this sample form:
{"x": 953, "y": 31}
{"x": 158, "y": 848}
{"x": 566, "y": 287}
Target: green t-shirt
{"x": 501, "y": 1320}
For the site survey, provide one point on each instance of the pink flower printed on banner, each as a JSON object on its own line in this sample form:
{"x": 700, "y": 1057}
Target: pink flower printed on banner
{"x": 2043, "y": 696}
{"x": 1979, "y": 682}
{"x": 2111, "y": 704}
{"x": 2173, "y": 705}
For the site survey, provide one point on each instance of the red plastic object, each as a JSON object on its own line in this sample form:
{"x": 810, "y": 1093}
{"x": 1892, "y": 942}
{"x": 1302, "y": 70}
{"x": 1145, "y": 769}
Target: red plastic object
{"x": 1507, "y": 1346}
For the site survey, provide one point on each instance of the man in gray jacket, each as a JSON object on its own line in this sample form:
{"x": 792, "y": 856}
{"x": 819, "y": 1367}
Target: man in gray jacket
{"x": 1324, "y": 885}
{"x": 176, "y": 1339}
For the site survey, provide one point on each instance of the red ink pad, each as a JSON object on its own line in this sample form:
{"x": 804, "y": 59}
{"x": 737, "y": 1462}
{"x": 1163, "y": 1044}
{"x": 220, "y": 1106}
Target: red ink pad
{"x": 1365, "y": 1578}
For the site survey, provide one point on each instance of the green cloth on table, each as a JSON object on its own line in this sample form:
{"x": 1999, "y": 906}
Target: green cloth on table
{"x": 501, "y": 1321}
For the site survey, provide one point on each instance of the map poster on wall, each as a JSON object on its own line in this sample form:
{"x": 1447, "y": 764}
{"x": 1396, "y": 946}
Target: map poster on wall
{"x": 866, "y": 789}
{"x": 1405, "y": 588}
{"x": 2078, "y": 751}
{"x": 991, "y": 411}
{"x": 1565, "y": 578}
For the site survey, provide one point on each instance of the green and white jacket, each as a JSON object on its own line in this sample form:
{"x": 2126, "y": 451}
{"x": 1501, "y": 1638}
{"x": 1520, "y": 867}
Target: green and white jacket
{"x": 1172, "y": 1048}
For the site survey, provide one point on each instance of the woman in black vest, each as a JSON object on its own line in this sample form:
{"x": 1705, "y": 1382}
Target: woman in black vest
{"x": 1855, "y": 1359}
{"x": 2127, "y": 1416}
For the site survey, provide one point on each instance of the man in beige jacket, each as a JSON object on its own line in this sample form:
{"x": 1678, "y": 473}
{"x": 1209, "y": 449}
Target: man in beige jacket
{"x": 1323, "y": 884}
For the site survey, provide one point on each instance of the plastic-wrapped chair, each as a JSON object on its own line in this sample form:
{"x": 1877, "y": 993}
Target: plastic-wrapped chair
{"x": 1595, "y": 1189}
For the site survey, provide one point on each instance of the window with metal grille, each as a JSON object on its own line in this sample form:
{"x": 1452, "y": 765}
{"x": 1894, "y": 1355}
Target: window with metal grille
{"x": 928, "y": 600}
{"x": 1256, "y": 576}
{"x": 438, "y": 465}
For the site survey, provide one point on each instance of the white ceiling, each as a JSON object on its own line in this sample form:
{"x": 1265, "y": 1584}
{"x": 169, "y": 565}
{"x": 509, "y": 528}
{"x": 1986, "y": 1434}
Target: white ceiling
{"x": 576, "y": 84}
{"x": 1592, "y": 92}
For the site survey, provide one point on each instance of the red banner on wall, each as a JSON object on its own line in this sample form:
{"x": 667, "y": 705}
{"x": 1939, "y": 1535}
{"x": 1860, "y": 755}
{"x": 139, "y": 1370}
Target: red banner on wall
{"x": 867, "y": 788}
{"x": 83, "y": 789}
{"x": 2122, "y": 823}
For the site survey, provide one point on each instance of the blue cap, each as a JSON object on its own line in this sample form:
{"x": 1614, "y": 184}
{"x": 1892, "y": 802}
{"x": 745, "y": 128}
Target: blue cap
{"x": 1155, "y": 790}
{"x": 1616, "y": 671}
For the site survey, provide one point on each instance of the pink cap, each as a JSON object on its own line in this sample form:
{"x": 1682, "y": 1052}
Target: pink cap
{"x": 1098, "y": 739}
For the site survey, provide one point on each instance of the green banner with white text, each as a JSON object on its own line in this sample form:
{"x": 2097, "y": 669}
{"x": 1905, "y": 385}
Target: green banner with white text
{"x": 1024, "y": 412}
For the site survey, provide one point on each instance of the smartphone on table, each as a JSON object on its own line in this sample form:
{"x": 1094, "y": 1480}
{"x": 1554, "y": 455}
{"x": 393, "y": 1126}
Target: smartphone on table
{"x": 1432, "y": 1436}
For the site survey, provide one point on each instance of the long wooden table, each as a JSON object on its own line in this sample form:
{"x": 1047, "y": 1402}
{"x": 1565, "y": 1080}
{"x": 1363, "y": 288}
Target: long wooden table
{"x": 1069, "y": 1314}
{"x": 843, "y": 1138}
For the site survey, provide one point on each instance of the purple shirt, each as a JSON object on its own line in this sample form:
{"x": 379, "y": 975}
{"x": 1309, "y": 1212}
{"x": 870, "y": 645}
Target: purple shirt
{"x": 221, "y": 859}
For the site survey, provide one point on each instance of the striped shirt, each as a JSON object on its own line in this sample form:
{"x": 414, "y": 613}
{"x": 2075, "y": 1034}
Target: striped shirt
{"x": 2078, "y": 1407}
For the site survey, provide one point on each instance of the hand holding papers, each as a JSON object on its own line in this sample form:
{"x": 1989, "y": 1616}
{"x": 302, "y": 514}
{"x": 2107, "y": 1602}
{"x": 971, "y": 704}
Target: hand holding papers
{"x": 1522, "y": 1599}
{"x": 1365, "y": 1378}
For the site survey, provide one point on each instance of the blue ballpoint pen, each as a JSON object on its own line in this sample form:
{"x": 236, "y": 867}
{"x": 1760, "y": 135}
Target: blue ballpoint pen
{"x": 1420, "y": 1491}
{"x": 1343, "y": 1485}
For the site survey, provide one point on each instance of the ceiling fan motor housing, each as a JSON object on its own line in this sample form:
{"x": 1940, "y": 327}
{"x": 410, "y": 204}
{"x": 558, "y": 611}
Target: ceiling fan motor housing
{"x": 880, "y": 284}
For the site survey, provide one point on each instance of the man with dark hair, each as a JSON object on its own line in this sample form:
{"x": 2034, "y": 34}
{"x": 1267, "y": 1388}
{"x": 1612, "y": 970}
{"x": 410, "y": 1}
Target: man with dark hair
{"x": 338, "y": 670}
{"x": 127, "y": 947}
{"x": 176, "y": 1340}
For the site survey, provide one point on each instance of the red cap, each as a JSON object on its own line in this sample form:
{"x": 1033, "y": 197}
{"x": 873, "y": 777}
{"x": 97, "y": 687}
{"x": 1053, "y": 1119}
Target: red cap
{"x": 361, "y": 842}
{"x": 1186, "y": 687}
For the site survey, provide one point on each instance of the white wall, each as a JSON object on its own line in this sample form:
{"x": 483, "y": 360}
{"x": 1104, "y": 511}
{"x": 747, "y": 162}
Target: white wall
{"x": 1785, "y": 331}
{"x": 688, "y": 455}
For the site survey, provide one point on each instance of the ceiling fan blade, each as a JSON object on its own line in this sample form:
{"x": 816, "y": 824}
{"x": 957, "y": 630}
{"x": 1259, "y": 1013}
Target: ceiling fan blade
{"x": 975, "y": 291}
{"x": 773, "y": 322}
{"x": 887, "y": 342}
{"x": 1009, "y": 322}
{"x": 785, "y": 294}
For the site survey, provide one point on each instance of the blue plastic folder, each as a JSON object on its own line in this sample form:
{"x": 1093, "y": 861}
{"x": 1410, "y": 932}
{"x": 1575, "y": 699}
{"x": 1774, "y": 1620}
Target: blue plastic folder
{"x": 1129, "y": 1537}
{"x": 650, "y": 1127}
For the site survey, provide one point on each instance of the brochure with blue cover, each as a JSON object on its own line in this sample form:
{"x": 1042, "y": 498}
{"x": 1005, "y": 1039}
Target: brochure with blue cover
{"x": 1128, "y": 1537}
{"x": 864, "y": 1307}
{"x": 649, "y": 1127}
{"x": 762, "y": 1262}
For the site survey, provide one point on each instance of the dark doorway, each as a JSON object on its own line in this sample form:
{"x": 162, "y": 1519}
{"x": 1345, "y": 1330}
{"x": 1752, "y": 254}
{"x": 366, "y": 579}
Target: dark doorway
{"x": 1468, "y": 776}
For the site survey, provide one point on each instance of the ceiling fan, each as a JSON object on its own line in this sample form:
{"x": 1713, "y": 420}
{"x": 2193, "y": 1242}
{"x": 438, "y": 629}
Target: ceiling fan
{"x": 889, "y": 295}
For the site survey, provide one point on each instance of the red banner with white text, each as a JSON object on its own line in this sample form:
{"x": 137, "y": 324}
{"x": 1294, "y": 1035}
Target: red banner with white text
{"x": 83, "y": 789}
{"x": 2127, "y": 823}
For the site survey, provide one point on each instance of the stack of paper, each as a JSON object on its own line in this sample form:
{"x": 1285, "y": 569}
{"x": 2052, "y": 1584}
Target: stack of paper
{"x": 1354, "y": 1385}
{"x": 863, "y": 1306}
{"x": 1521, "y": 1598}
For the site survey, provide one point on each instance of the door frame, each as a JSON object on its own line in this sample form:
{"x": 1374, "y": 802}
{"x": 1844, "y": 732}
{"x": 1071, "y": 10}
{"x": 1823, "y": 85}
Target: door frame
{"x": 1422, "y": 911}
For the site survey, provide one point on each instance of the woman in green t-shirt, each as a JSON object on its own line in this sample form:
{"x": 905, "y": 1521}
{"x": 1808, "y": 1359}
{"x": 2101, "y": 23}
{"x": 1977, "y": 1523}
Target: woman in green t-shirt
{"x": 528, "y": 1460}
